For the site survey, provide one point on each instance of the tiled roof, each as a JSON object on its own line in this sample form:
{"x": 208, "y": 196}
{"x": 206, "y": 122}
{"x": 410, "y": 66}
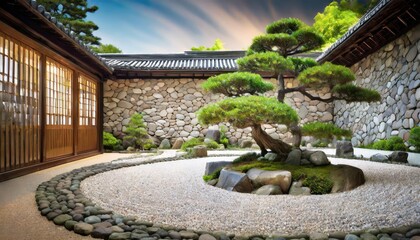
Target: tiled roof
{"x": 187, "y": 61}
{"x": 363, "y": 20}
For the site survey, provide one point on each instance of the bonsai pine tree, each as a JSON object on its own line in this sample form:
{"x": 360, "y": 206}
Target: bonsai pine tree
{"x": 270, "y": 52}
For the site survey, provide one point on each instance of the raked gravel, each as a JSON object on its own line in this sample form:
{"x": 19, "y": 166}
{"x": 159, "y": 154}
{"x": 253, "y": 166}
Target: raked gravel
{"x": 174, "y": 193}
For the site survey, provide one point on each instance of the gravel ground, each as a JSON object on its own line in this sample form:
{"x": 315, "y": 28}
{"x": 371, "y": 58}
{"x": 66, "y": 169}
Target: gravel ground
{"x": 174, "y": 193}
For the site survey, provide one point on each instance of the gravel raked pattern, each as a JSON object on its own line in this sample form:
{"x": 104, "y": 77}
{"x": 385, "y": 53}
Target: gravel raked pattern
{"x": 174, "y": 193}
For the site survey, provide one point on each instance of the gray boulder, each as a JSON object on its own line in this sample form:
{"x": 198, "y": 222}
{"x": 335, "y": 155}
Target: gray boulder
{"x": 379, "y": 158}
{"x": 270, "y": 156}
{"x": 344, "y": 149}
{"x": 398, "y": 156}
{"x": 178, "y": 143}
{"x": 213, "y": 135}
{"x": 253, "y": 173}
{"x": 83, "y": 228}
{"x": 346, "y": 178}
{"x": 319, "y": 158}
{"x": 294, "y": 157}
{"x": 268, "y": 190}
{"x": 213, "y": 166}
{"x": 165, "y": 144}
{"x": 297, "y": 189}
{"x": 245, "y": 143}
{"x": 279, "y": 178}
{"x": 234, "y": 181}
{"x": 199, "y": 151}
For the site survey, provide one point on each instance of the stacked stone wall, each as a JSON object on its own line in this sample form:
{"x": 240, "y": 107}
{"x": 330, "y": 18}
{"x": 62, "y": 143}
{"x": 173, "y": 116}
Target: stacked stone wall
{"x": 169, "y": 106}
{"x": 394, "y": 72}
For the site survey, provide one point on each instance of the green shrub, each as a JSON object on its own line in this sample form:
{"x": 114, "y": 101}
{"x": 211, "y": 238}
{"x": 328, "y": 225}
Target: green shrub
{"x": 136, "y": 132}
{"x": 415, "y": 138}
{"x": 192, "y": 143}
{"x": 213, "y": 175}
{"x": 223, "y": 138}
{"x": 247, "y": 157}
{"x": 322, "y": 130}
{"x": 110, "y": 142}
{"x": 149, "y": 144}
{"x": 318, "y": 184}
{"x": 211, "y": 144}
{"x": 320, "y": 143}
{"x": 391, "y": 144}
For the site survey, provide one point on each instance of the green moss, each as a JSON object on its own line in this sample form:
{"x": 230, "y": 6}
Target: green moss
{"x": 213, "y": 175}
{"x": 192, "y": 143}
{"x": 247, "y": 157}
{"x": 317, "y": 178}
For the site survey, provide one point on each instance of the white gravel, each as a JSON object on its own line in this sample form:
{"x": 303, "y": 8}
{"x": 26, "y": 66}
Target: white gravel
{"x": 174, "y": 193}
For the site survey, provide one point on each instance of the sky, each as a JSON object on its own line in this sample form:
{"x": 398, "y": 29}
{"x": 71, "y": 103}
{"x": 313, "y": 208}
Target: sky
{"x": 173, "y": 26}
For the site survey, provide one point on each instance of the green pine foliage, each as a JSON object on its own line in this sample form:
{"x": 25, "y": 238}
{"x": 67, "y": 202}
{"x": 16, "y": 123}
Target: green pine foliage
{"x": 327, "y": 74}
{"x": 110, "y": 142}
{"x": 352, "y": 93}
{"x": 415, "y": 138}
{"x": 301, "y": 64}
{"x": 137, "y": 133}
{"x": 264, "y": 61}
{"x": 237, "y": 84}
{"x": 247, "y": 111}
{"x": 73, "y": 15}
{"x": 322, "y": 130}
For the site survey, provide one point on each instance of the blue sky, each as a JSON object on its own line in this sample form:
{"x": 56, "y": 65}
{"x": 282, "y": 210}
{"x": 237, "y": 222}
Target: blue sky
{"x": 171, "y": 26}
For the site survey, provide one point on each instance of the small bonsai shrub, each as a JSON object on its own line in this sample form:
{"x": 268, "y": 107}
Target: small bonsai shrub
{"x": 391, "y": 144}
{"x": 137, "y": 133}
{"x": 213, "y": 175}
{"x": 318, "y": 184}
{"x": 415, "y": 138}
{"x": 110, "y": 142}
{"x": 211, "y": 144}
{"x": 192, "y": 143}
{"x": 223, "y": 138}
{"x": 247, "y": 157}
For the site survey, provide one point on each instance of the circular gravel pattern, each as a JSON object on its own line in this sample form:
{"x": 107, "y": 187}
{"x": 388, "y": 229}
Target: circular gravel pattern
{"x": 174, "y": 193}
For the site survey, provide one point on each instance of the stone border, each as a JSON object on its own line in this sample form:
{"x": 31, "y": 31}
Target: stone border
{"x": 60, "y": 200}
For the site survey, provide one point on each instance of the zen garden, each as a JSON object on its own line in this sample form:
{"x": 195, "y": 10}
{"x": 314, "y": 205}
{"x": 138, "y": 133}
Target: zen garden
{"x": 310, "y": 132}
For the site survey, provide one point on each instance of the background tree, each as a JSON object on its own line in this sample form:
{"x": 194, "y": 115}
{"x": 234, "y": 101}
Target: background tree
{"x": 72, "y": 13}
{"x": 217, "y": 46}
{"x": 106, "y": 48}
{"x": 339, "y": 16}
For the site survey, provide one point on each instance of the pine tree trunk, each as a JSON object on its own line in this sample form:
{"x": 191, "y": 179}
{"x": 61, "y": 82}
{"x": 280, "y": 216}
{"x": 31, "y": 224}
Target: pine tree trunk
{"x": 265, "y": 142}
{"x": 280, "y": 94}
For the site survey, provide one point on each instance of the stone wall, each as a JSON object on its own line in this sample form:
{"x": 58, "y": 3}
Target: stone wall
{"x": 169, "y": 106}
{"x": 394, "y": 72}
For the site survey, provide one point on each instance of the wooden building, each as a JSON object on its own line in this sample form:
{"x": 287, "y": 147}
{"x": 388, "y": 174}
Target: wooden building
{"x": 50, "y": 92}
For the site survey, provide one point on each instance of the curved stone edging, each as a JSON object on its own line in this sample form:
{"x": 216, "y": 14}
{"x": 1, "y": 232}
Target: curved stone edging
{"x": 61, "y": 201}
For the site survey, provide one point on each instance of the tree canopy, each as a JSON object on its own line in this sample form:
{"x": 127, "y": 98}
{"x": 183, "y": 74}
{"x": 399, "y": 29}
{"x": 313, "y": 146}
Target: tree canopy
{"x": 237, "y": 84}
{"x": 106, "y": 48}
{"x": 73, "y": 15}
{"x": 217, "y": 46}
{"x": 322, "y": 130}
{"x": 247, "y": 111}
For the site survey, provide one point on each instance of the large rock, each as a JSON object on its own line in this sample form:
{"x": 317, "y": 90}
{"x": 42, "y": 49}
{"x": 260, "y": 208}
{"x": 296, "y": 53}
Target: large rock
{"x": 199, "y": 151}
{"x": 271, "y": 156}
{"x": 294, "y": 157}
{"x": 344, "y": 149}
{"x": 213, "y": 166}
{"x": 253, "y": 173}
{"x": 268, "y": 190}
{"x": 297, "y": 189}
{"x": 245, "y": 143}
{"x": 213, "y": 134}
{"x": 346, "y": 178}
{"x": 399, "y": 157}
{"x": 379, "y": 158}
{"x": 165, "y": 144}
{"x": 279, "y": 177}
{"x": 319, "y": 158}
{"x": 178, "y": 143}
{"x": 234, "y": 181}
